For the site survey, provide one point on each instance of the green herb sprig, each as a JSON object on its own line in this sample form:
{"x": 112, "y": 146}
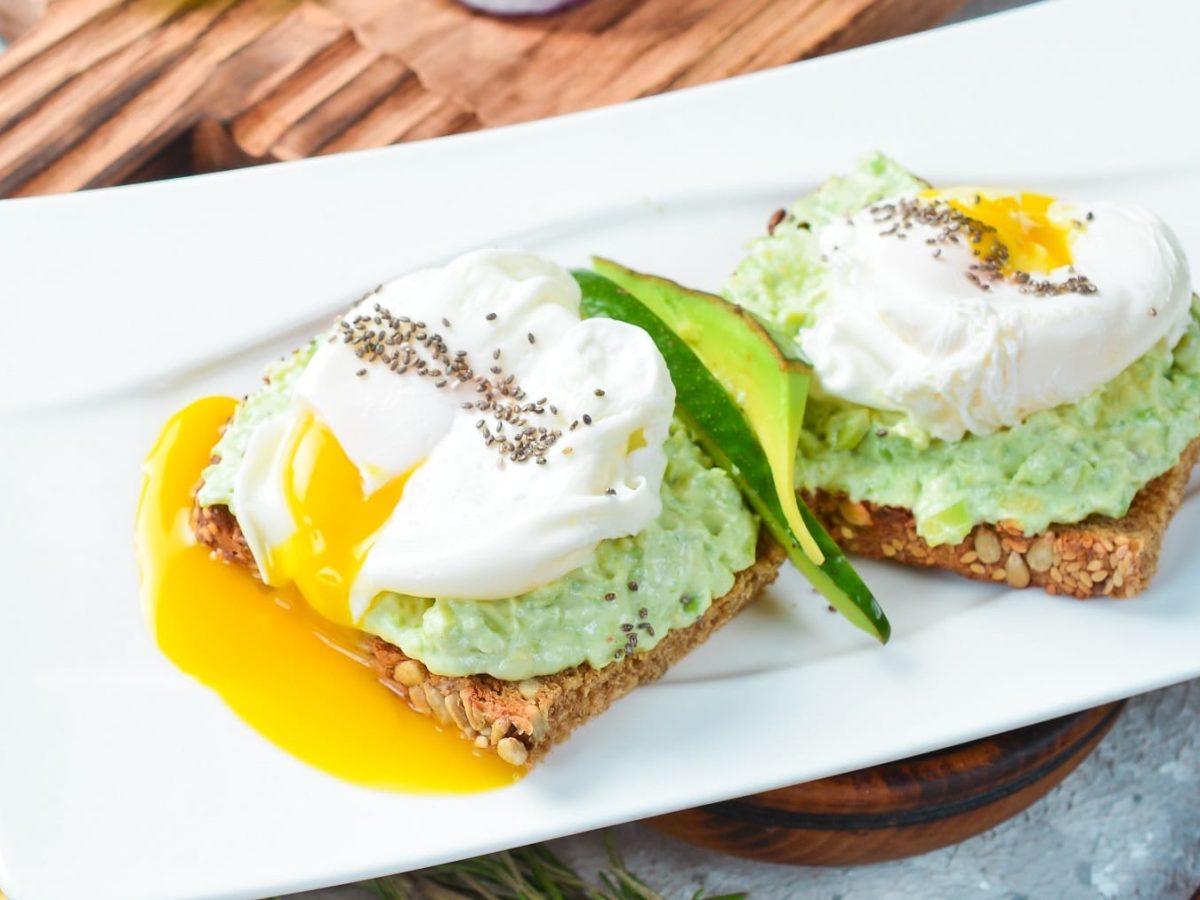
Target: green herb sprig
{"x": 526, "y": 873}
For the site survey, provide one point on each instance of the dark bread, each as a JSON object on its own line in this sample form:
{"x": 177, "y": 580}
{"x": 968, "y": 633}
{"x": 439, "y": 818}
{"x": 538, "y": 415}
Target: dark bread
{"x": 521, "y": 721}
{"x": 1099, "y": 556}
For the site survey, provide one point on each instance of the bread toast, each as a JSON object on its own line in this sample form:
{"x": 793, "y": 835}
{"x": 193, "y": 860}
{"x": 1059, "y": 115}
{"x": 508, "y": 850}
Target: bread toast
{"x": 521, "y": 721}
{"x": 1099, "y": 556}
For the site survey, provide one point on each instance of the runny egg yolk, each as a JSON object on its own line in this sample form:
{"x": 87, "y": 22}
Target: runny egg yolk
{"x": 335, "y": 521}
{"x": 301, "y": 681}
{"x": 1037, "y": 241}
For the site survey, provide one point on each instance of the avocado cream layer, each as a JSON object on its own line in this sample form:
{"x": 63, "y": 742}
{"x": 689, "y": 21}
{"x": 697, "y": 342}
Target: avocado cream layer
{"x": 1058, "y": 465}
{"x": 632, "y": 592}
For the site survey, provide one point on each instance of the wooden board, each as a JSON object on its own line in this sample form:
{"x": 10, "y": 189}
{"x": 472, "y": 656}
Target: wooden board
{"x": 902, "y": 808}
{"x": 93, "y": 91}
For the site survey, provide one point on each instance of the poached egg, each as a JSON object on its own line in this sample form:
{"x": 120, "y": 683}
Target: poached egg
{"x": 971, "y": 309}
{"x": 301, "y": 681}
{"x": 462, "y": 433}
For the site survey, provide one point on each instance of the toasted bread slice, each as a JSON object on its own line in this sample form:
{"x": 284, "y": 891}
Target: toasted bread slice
{"x": 1099, "y": 556}
{"x": 521, "y": 721}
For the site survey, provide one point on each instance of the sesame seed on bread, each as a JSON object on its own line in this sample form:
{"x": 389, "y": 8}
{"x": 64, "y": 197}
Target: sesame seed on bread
{"x": 1099, "y": 556}
{"x": 520, "y": 721}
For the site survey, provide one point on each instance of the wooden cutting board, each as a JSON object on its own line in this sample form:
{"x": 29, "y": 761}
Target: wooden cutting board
{"x": 97, "y": 92}
{"x": 901, "y": 808}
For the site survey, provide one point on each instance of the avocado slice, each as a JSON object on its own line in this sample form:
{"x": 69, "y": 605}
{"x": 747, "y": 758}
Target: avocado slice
{"x": 723, "y": 429}
{"x": 768, "y": 385}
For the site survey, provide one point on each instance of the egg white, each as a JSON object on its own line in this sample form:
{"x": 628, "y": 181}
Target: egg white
{"x": 900, "y": 329}
{"x": 471, "y": 523}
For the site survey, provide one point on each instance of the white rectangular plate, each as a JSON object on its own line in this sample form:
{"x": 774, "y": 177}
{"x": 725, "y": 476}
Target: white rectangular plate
{"x": 122, "y": 778}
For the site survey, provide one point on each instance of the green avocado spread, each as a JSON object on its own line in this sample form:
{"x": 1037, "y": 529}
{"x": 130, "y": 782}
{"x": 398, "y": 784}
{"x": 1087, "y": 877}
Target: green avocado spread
{"x": 1059, "y": 465}
{"x": 663, "y": 577}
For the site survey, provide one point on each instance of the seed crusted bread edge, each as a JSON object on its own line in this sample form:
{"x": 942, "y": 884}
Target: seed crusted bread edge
{"x": 1099, "y": 556}
{"x": 520, "y": 721}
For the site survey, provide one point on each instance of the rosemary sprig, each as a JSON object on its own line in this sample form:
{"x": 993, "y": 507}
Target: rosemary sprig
{"x": 526, "y": 873}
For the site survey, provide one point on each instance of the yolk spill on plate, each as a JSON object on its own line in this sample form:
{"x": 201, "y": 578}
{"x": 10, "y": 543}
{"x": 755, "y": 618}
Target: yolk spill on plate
{"x": 335, "y": 521}
{"x": 299, "y": 680}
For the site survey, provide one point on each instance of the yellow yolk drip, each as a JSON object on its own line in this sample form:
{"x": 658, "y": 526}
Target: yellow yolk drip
{"x": 334, "y": 521}
{"x": 302, "y": 682}
{"x": 1036, "y": 243}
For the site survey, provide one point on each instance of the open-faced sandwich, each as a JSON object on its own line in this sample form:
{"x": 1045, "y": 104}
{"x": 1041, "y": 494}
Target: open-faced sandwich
{"x": 1005, "y": 385}
{"x": 526, "y": 500}
{"x": 518, "y": 493}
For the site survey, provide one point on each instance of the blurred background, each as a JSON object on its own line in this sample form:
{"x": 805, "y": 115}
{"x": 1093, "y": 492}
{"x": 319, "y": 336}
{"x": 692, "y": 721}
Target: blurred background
{"x": 102, "y": 92}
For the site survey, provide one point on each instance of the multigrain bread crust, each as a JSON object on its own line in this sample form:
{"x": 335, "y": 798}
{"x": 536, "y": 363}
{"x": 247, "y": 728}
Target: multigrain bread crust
{"x": 1099, "y": 556}
{"x": 521, "y": 721}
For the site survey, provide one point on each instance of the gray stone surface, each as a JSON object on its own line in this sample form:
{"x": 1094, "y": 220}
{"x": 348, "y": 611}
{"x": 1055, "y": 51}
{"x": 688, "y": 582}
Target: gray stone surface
{"x": 977, "y": 8}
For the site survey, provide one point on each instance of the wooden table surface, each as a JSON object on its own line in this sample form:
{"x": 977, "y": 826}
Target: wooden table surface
{"x": 96, "y": 92}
